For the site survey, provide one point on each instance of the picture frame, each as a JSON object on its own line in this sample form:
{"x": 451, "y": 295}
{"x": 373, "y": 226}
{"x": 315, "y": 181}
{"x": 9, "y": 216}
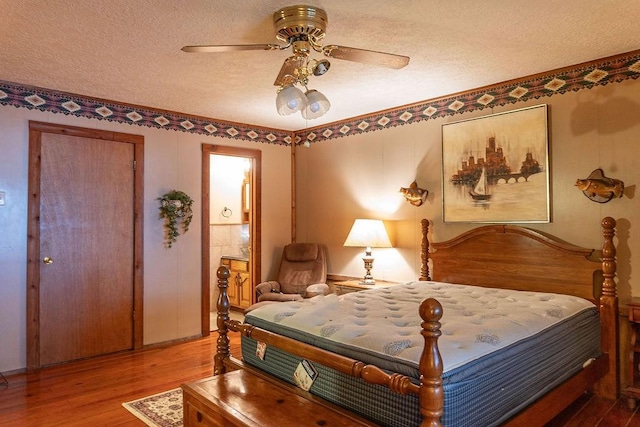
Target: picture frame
{"x": 495, "y": 168}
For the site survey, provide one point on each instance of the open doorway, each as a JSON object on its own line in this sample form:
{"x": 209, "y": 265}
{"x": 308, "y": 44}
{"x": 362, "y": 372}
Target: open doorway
{"x": 231, "y": 182}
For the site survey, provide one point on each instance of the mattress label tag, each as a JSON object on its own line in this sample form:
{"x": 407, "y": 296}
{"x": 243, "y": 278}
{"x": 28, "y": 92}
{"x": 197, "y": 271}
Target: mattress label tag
{"x": 305, "y": 375}
{"x": 261, "y": 349}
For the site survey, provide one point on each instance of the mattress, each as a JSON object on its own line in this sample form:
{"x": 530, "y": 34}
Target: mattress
{"x": 501, "y": 349}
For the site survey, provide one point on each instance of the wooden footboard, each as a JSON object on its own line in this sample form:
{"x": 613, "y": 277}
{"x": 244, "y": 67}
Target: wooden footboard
{"x": 430, "y": 391}
{"x": 536, "y": 256}
{"x": 430, "y": 312}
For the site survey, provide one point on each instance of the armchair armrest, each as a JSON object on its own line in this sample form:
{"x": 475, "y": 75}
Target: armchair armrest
{"x": 317, "y": 289}
{"x": 267, "y": 287}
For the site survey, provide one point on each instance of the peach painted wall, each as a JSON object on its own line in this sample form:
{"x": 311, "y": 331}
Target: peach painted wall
{"x": 359, "y": 177}
{"x": 172, "y": 277}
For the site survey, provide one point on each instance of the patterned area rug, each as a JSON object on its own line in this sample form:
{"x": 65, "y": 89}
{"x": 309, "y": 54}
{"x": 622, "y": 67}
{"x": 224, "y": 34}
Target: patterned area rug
{"x": 160, "y": 410}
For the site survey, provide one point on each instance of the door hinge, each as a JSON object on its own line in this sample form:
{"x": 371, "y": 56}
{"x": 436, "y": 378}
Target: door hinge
{"x": 135, "y": 164}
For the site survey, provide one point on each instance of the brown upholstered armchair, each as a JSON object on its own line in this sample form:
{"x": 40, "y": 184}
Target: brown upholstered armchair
{"x": 302, "y": 274}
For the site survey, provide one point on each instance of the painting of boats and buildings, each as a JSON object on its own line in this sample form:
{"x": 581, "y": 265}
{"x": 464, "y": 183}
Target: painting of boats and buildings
{"x": 495, "y": 168}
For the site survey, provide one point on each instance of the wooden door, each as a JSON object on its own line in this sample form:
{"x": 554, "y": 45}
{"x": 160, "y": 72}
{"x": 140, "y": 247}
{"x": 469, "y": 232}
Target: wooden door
{"x": 84, "y": 266}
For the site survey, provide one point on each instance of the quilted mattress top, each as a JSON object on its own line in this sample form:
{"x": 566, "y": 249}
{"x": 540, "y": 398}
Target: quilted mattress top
{"x": 384, "y": 322}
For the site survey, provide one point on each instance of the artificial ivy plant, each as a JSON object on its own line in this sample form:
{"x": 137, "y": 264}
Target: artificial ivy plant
{"x": 175, "y": 209}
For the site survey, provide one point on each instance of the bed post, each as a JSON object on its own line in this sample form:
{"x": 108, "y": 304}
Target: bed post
{"x": 424, "y": 251}
{"x": 609, "y": 385}
{"x": 431, "y": 393}
{"x": 222, "y": 350}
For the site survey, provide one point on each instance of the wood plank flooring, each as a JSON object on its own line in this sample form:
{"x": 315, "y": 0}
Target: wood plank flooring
{"x": 91, "y": 392}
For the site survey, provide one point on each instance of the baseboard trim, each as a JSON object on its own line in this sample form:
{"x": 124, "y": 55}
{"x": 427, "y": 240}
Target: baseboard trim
{"x": 172, "y": 342}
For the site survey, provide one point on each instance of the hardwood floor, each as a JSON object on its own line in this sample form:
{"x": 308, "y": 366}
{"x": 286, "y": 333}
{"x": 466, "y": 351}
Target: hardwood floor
{"x": 590, "y": 411}
{"x": 91, "y": 392}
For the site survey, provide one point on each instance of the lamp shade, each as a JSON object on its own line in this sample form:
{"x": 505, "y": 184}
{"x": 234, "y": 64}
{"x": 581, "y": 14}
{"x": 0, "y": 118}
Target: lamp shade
{"x": 368, "y": 233}
{"x": 289, "y": 100}
{"x": 317, "y": 105}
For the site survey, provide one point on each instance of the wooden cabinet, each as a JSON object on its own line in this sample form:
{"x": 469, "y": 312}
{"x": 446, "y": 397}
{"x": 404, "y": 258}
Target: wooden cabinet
{"x": 633, "y": 379}
{"x": 347, "y": 286}
{"x": 240, "y": 289}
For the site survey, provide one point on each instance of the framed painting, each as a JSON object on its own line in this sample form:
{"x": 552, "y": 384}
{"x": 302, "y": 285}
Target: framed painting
{"x": 496, "y": 168}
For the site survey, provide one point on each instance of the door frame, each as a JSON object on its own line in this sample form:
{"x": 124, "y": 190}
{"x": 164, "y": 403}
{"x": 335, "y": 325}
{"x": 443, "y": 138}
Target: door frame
{"x": 36, "y": 129}
{"x": 255, "y": 254}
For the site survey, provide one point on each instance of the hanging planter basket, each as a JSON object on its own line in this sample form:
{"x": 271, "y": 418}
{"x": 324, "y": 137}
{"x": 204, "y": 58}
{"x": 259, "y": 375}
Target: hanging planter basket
{"x": 175, "y": 209}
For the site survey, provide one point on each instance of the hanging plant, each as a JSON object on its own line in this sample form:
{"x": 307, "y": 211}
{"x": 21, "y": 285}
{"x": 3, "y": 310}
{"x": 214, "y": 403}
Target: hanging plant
{"x": 175, "y": 209}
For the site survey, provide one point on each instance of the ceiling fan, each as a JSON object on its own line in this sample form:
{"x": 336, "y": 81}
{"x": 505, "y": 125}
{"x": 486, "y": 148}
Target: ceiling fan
{"x": 303, "y": 28}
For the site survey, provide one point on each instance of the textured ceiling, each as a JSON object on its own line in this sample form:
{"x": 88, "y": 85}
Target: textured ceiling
{"x": 129, "y": 51}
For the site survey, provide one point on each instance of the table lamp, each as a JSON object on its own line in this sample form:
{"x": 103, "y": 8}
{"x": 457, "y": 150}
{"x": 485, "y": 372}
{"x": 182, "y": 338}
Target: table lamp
{"x": 368, "y": 233}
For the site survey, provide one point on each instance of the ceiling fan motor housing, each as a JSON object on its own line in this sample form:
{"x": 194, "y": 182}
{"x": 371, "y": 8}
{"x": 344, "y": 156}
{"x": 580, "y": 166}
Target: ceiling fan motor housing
{"x": 293, "y": 21}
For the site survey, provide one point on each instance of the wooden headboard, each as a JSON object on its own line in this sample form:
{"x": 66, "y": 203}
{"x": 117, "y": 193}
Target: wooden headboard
{"x": 514, "y": 257}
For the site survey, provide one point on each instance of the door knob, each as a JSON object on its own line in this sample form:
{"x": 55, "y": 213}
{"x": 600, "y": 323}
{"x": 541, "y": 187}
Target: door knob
{"x": 47, "y": 260}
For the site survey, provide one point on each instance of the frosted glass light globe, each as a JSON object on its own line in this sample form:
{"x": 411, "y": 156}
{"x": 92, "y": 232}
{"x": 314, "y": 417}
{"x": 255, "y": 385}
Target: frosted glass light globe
{"x": 289, "y": 100}
{"x": 317, "y": 105}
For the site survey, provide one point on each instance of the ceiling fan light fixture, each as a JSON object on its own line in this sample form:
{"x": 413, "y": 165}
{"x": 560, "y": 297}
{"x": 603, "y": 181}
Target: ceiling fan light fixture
{"x": 303, "y": 29}
{"x": 317, "y": 105}
{"x": 289, "y": 100}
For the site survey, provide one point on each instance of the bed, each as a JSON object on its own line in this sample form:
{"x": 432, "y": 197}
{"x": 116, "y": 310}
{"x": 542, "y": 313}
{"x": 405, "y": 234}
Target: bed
{"x": 434, "y": 384}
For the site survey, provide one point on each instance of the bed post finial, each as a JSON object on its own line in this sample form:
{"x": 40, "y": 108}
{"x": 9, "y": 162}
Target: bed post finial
{"x": 609, "y": 385}
{"x": 424, "y": 251}
{"x": 222, "y": 350}
{"x": 431, "y": 392}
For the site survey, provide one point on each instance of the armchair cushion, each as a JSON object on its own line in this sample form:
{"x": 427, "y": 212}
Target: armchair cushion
{"x": 302, "y": 264}
{"x": 301, "y": 252}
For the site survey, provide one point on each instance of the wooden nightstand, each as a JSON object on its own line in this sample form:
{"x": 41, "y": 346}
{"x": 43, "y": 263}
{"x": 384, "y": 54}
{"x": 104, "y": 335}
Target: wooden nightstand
{"x": 344, "y": 287}
{"x": 633, "y": 388}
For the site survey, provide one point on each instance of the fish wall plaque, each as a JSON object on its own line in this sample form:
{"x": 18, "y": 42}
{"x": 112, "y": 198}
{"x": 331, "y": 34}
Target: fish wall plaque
{"x": 599, "y": 188}
{"x": 414, "y": 194}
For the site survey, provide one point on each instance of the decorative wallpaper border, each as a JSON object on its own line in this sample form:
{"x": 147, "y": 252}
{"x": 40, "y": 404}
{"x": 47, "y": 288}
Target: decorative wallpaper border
{"x": 22, "y": 96}
{"x": 583, "y": 76}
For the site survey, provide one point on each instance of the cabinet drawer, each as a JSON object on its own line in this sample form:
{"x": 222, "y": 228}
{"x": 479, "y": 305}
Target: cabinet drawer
{"x": 634, "y": 314}
{"x": 239, "y": 265}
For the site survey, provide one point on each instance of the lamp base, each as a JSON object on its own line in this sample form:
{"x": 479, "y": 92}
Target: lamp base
{"x": 368, "y": 265}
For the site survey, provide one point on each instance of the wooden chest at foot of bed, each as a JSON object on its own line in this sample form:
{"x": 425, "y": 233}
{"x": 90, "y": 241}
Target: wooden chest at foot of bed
{"x": 241, "y": 398}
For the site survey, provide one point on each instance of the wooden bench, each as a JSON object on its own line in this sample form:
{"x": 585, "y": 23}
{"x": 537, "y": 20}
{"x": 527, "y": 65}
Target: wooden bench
{"x": 243, "y": 398}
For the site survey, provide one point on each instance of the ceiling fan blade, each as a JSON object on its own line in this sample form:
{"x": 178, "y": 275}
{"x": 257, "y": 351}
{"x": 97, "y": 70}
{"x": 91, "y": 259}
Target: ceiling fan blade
{"x": 291, "y": 64}
{"x": 229, "y": 48}
{"x": 366, "y": 56}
